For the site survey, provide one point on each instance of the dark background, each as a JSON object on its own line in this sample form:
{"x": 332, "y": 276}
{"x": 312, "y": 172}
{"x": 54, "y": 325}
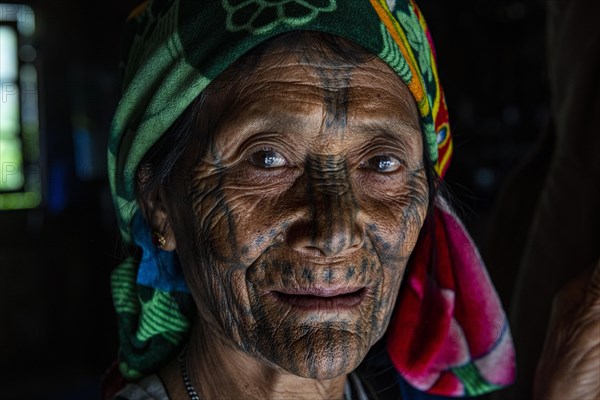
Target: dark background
{"x": 57, "y": 329}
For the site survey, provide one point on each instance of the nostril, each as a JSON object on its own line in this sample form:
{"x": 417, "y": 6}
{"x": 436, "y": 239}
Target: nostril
{"x": 324, "y": 242}
{"x": 313, "y": 251}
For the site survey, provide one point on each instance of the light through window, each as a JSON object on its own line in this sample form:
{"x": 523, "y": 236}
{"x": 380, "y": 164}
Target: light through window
{"x": 20, "y": 180}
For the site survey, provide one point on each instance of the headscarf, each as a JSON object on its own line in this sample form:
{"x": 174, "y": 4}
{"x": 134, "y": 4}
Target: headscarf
{"x": 175, "y": 48}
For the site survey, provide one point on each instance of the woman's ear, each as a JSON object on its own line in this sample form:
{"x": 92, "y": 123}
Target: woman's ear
{"x": 160, "y": 223}
{"x": 153, "y": 204}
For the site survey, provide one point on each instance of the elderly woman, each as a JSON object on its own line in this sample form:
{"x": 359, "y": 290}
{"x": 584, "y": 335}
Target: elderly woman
{"x": 275, "y": 168}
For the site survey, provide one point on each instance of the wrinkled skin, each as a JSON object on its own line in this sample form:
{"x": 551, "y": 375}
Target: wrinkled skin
{"x": 310, "y": 177}
{"x": 570, "y": 363}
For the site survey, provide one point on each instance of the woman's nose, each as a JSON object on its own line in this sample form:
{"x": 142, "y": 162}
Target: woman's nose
{"x": 332, "y": 227}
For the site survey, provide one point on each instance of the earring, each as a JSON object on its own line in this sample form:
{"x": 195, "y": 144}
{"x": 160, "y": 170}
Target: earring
{"x": 158, "y": 240}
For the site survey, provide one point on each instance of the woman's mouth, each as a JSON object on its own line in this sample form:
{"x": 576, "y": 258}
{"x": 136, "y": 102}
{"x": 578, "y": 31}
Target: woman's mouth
{"x": 321, "y": 299}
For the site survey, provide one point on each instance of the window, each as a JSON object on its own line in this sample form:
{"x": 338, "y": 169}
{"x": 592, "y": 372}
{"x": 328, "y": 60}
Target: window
{"x": 20, "y": 174}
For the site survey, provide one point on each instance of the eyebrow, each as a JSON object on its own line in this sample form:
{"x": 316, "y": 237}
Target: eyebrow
{"x": 391, "y": 129}
{"x": 388, "y": 128}
{"x": 383, "y": 126}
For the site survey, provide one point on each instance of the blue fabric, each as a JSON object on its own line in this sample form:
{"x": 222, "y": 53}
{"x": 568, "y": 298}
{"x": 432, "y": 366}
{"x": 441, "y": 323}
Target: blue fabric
{"x": 158, "y": 269}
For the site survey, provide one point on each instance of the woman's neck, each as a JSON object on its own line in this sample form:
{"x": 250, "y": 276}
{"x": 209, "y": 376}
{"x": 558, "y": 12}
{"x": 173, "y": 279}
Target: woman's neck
{"x": 219, "y": 370}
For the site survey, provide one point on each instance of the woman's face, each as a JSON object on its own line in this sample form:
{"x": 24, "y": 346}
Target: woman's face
{"x": 295, "y": 215}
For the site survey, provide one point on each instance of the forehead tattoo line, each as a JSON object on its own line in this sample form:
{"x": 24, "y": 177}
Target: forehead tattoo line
{"x": 335, "y": 76}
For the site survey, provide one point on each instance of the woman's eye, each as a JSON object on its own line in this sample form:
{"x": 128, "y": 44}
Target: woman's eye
{"x": 267, "y": 159}
{"x": 382, "y": 164}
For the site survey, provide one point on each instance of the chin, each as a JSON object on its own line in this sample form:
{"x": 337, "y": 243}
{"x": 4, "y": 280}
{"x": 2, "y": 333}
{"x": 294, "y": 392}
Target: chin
{"x": 321, "y": 354}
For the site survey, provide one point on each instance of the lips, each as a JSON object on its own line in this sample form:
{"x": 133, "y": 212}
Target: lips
{"x": 321, "y": 299}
